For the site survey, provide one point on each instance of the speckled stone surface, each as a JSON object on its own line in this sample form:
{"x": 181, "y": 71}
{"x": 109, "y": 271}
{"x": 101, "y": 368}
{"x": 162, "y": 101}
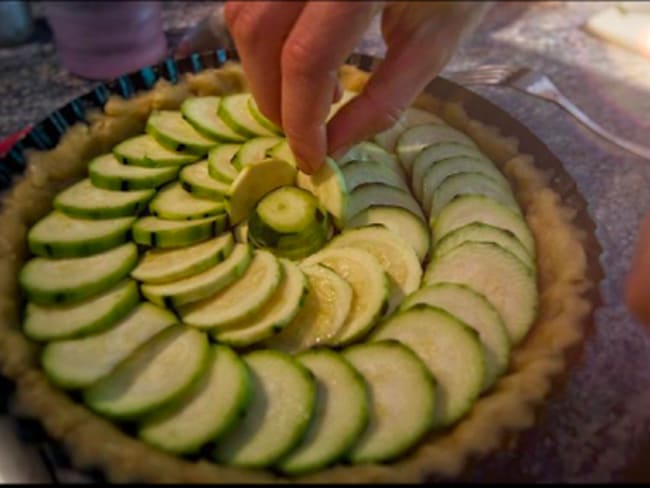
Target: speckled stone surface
{"x": 596, "y": 427}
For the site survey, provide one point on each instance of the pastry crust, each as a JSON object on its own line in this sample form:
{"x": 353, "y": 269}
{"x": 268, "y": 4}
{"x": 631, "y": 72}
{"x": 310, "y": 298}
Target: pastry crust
{"x": 507, "y": 408}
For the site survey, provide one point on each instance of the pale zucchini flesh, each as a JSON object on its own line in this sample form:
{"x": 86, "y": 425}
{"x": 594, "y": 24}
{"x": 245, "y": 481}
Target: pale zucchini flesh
{"x": 63, "y": 281}
{"x": 369, "y": 151}
{"x": 145, "y": 150}
{"x": 220, "y": 163}
{"x": 107, "y": 172}
{"x": 201, "y": 113}
{"x": 357, "y": 173}
{"x": 410, "y": 117}
{"x": 196, "y": 180}
{"x": 79, "y": 363}
{"x": 154, "y": 232}
{"x": 284, "y": 399}
{"x": 254, "y": 150}
{"x": 157, "y": 374}
{"x": 235, "y": 112}
{"x": 208, "y": 412}
{"x": 402, "y": 400}
{"x": 328, "y": 185}
{"x": 170, "y": 129}
{"x": 97, "y": 313}
{"x": 173, "y": 202}
{"x": 371, "y": 194}
{"x": 451, "y": 351}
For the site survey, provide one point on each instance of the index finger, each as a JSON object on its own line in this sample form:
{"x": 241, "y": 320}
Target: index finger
{"x": 321, "y": 39}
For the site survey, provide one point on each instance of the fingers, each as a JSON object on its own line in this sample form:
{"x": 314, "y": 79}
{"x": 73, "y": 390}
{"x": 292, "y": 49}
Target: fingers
{"x": 259, "y": 30}
{"x": 321, "y": 39}
{"x": 637, "y": 291}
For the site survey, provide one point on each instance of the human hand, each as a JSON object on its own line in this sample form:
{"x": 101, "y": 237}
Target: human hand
{"x": 291, "y": 53}
{"x": 637, "y": 289}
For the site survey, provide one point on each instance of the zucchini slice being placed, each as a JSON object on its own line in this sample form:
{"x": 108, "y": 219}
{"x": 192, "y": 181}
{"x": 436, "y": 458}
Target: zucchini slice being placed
{"x": 476, "y": 311}
{"x": 173, "y": 202}
{"x": 97, "y": 313}
{"x": 328, "y": 185}
{"x": 410, "y": 117}
{"x": 62, "y": 281}
{"x": 213, "y": 407}
{"x": 196, "y": 179}
{"x": 341, "y": 415}
{"x": 220, "y": 163}
{"x": 201, "y": 112}
{"x": 398, "y": 259}
{"x": 282, "y": 150}
{"x": 372, "y": 194}
{"x": 165, "y": 265}
{"x": 280, "y": 309}
{"x": 370, "y": 286}
{"x": 261, "y": 119}
{"x": 402, "y": 222}
{"x": 255, "y": 181}
{"x": 449, "y": 348}
{"x": 254, "y": 150}
{"x": 239, "y": 301}
{"x": 145, "y": 150}
{"x": 430, "y": 155}
{"x": 58, "y": 235}
{"x": 402, "y": 400}
{"x": 79, "y": 363}
{"x": 107, "y": 172}
{"x": 467, "y": 209}
{"x": 202, "y": 285}
{"x": 155, "y": 232}
{"x": 235, "y": 111}
{"x": 156, "y": 375}
{"x": 327, "y": 305}
{"x": 416, "y": 138}
{"x": 85, "y": 200}
{"x": 357, "y": 173}
{"x": 496, "y": 273}
{"x": 284, "y": 398}
{"x": 173, "y": 131}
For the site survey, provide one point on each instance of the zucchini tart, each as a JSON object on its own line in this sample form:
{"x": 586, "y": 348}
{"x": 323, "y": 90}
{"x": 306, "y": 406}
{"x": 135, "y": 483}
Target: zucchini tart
{"x": 179, "y": 303}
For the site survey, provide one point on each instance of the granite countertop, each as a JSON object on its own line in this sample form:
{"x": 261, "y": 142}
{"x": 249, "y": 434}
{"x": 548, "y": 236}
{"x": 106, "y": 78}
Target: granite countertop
{"x": 596, "y": 426}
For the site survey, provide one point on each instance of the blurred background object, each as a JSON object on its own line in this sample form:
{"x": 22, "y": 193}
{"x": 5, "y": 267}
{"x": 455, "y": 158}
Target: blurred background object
{"x": 102, "y": 39}
{"x": 16, "y": 24}
{"x": 626, "y": 24}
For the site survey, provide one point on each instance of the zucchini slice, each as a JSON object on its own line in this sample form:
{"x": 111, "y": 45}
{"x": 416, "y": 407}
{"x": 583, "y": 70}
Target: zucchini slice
{"x": 449, "y": 348}
{"x": 201, "y": 113}
{"x": 444, "y": 168}
{"x": 372, "y": 194}
{"x": 369, "y": 283}
{"x": 280, "y": 310}
{"x": 220, "y": 163}
{"x": 62, "y": 281}
{"x": 282, "y": 150}
{"x": 201, "y": 285}
{"x": 327, "y": 305}
{"x": 239, "y": 301}
{"x": 402, "y": 400}
{"x": 173, "y": 202}
{"x": 165, "y": 265}
{"x": 341, "y": 415}
{"x": 401, "y": 222}
{"x": 466, "y": 209}
{"x": 283, "y": 404}
{"x": 416, "y": 138}
{"x": 396, "y": 257}
{"x": 235, "y": 112}
{"x": 208, "y": 412}
{"x": 155, "y": 232}
{"x": 470, "y": 184}
{"x": 369, "y": 151}
{"x": 255, "y": 181}
{"x": 107, "y": 172}
{"x": 476, "y": 311}
{"x": 496, "y": 273}
{"x": 86, "y": 201}
{"x": 480, "y": 232}
{"x": 261, "y": 119}
{"x": 144, "y": 150}
{"x": 97, "y": 313}
{"x": 156, "y": 375}
{"x": 58, "y": 235}
{"x": 170, "y": 129}
{"x": 288, "y": 210}
{"x": 79, "y": 363}
{"x": 346, "y": 96}
{"x": 357, "y": 173}
{"x": 195, "y": 179}
{"x": 430, "y": 155}
{"x": 254, "y": 150}
{"x": 328, "y": 185}
{"x": 410, "y": 117}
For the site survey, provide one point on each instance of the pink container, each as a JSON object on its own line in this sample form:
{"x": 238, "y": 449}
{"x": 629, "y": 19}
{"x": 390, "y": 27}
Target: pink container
{"x": 102, "y": 39}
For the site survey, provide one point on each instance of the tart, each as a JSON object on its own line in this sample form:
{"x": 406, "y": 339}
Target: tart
{"x": 180, "y": 303}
